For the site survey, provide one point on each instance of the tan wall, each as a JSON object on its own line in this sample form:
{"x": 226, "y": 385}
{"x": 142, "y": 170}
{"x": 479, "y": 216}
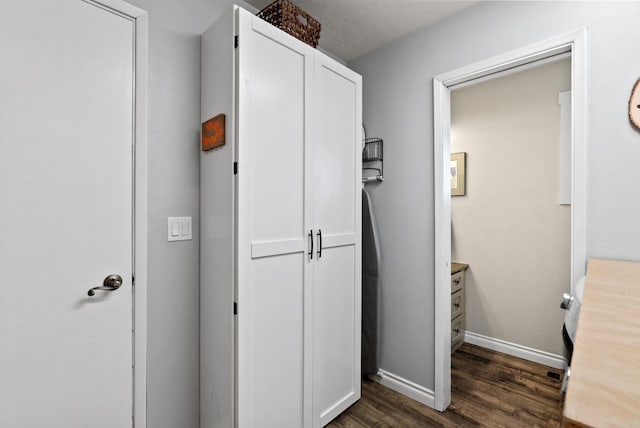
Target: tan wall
{"x": 509, "y": 226}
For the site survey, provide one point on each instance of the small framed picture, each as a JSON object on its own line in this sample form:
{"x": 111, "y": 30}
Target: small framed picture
{"x": 458, "y": 166}
{"x": 213, "y": 133}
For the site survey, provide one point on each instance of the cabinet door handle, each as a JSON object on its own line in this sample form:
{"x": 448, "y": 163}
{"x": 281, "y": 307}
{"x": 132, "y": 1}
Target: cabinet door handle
{"x": 311, "y": 239}
{"x": 319, "y": 243}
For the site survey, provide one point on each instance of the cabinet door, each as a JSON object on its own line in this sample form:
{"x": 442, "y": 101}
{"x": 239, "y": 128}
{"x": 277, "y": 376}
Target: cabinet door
{"x": 337, "y": 215}
{"x": 274, "y": 271}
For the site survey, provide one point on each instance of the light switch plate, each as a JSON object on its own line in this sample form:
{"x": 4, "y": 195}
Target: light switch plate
{"x": 179, "y": 229}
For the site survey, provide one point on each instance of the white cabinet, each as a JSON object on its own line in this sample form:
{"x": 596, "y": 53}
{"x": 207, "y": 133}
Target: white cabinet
{"x": 280, "y": 239}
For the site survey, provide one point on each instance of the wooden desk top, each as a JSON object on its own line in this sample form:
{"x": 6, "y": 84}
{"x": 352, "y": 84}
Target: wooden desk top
{"x": 457, "y": 267}
{"x": 604, "y": 386}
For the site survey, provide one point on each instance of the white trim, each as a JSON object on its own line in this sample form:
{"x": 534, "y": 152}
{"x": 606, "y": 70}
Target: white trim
{"x": 579, "y": 158}
{"x": 515, "y": 350}
{"x": 121, "y": 7}
{"x": 442, "y": 156}
{"x": 525, "y": 55}
{"x": 141, "y": 64}
{"x": 405, "y": 387}
{"x": 575, "y": 41}
{"x": 141, "y": 222}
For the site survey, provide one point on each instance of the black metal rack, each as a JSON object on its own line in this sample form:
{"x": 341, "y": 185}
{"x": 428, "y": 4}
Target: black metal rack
{"x": 372, "y": 159}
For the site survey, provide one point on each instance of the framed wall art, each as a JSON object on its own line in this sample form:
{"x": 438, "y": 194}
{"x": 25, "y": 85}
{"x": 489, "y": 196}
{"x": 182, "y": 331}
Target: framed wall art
{"x": 213, "y": 133}
{"x": 458, "y": 173}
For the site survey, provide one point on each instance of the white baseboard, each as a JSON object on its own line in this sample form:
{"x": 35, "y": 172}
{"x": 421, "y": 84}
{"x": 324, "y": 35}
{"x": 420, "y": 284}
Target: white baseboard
{"x": 405, "y": 387}
{"x": 520, "y": 351}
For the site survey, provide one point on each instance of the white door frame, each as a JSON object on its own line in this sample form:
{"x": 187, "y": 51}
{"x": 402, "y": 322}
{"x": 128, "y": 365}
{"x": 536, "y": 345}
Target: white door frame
{"x": 575, "y": 42}
{"x": 140, "y": 19}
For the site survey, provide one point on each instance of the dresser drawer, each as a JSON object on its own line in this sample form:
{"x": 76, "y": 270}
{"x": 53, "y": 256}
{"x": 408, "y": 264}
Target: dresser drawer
{"x": 457, "y": 303}
{"x": 458, "y": 343}
{"x": 457, "y": 281}
{"x": 457, "y": 332}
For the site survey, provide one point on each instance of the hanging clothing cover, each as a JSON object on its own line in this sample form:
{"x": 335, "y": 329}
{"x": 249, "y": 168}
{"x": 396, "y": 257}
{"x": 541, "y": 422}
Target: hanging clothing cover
{"x": 370, "y": 279}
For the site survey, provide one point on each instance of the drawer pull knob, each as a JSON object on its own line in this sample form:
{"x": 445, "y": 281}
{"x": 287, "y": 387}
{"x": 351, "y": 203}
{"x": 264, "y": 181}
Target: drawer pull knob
{"x": 456, "y": 281}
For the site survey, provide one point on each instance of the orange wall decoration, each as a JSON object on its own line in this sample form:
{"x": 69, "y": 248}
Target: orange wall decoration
{"x": 213, "y": 133}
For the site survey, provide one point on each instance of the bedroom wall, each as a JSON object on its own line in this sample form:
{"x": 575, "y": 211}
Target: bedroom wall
{"x": 398, "y": 106}
{"x": 509, "y": 226}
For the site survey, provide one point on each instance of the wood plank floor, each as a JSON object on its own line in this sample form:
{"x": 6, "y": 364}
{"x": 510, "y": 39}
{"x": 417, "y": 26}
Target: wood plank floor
{"x": 488, "y": 389}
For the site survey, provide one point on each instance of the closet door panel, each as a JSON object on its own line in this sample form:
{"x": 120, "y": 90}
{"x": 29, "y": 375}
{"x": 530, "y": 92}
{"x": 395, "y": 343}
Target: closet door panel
{"x": 335, "y": 161}
{"x": 274, "y": 272}
{"x": 337, "y": 213}
{"x": 336, "y": 333}
{"x": 278, "y": 141}
{"x": 277, "y": 341}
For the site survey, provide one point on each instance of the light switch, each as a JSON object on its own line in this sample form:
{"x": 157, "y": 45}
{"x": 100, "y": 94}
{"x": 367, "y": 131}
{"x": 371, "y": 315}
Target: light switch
{"x": 179, "y": 228}
{"x": 175, "y": 229}
{"x": 185, "y": 228}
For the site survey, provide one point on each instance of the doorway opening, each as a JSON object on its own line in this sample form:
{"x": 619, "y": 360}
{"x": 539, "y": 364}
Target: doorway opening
{"x": 573, "y": 44}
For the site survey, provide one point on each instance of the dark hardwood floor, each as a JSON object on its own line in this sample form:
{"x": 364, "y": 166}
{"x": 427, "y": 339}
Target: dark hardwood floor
{"x": 488, "y": 389}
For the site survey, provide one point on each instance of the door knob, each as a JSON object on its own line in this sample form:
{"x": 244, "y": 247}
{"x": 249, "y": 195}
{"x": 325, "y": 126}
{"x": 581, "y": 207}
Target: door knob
{"x": 110, "y": 283}
{"x": 567, "y": 299}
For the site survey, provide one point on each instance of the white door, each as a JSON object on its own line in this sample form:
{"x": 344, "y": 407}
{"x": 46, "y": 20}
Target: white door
{"x": 337, "y": 297}
{"x": 66, "y": 135}
{"x": 274, "y": 268}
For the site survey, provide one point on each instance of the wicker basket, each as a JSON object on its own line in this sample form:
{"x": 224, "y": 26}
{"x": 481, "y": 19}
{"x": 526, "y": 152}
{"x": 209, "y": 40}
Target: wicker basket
{"x": 295, "y": 21}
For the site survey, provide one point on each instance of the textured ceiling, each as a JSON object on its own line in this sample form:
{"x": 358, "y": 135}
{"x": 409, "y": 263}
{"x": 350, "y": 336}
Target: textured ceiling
{"x": 351, "y": 28}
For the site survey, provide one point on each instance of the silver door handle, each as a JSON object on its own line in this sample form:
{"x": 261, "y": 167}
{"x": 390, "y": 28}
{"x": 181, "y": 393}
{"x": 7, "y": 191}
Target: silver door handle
{"x": 110, "y": 283}
{"x": 567, "y": 299}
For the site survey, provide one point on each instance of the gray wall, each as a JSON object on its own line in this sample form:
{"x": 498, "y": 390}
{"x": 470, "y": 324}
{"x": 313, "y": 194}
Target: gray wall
{"x": 398, "y": 104}
{"x": 174, "y": 190}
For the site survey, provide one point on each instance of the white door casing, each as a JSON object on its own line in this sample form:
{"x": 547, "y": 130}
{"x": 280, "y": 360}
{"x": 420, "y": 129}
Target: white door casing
{"x": 72, "y": 87}
{"x": 575, "y": 42}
